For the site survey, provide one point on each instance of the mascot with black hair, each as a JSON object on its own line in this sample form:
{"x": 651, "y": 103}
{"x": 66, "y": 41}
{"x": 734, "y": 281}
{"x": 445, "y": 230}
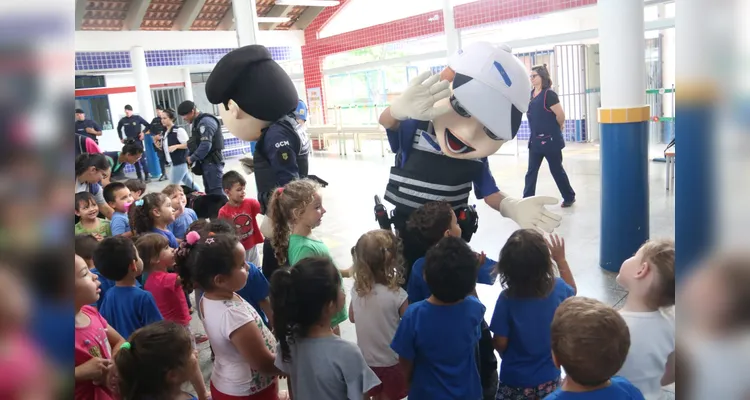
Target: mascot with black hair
{"x": 257, "y": 101}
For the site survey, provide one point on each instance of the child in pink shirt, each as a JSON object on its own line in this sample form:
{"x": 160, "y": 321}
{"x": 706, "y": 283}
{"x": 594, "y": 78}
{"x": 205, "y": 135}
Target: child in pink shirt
{"x": 242, "y": 212}
{"x": 167, "y": 290}
{"x": 93, "y": 336}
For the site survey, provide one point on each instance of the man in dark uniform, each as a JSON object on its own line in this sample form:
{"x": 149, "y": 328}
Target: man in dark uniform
{"x": 157, "y": 130}
{"x": 257, "y": 103}
{"x": 87, "y": 127}
{"x": 133, "y": 126}
{"x": 204, "y": 146}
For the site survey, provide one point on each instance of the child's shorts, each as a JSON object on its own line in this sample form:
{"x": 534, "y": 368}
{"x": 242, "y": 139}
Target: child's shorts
{"x": 392, "y": 382}
{"x": 253, "y": 256}
{"x": 505, "y": 392}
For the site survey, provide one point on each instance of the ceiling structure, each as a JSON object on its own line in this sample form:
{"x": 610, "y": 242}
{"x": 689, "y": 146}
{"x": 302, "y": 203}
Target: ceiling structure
{"x": 196, "y": 15}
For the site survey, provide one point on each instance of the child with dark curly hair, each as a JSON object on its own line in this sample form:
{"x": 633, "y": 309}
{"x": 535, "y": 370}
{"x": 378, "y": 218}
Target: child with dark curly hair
{"x": 524, "y": 311}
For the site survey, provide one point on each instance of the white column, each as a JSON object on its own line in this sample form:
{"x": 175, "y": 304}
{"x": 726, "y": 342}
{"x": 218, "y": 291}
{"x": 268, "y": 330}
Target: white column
{"x": 621, "y": 42}
{"x": 142, "y": 85}
{"x": 188, "y": 84}
{"x": 245, "y": 22}
{"x": 452, "y": 35}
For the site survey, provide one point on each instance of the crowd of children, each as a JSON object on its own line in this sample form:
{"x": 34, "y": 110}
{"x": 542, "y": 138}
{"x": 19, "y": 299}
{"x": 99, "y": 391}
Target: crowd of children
{"x": 421, "y": 329}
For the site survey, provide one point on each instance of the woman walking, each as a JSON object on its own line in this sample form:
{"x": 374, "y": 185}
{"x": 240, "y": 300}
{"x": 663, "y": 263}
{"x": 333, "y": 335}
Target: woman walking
{"x": 546, "y": 121}
{"x": 175, "y": 143}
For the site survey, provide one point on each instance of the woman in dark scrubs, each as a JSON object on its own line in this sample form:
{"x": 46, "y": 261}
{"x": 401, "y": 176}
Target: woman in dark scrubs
{"x": 130, "y": 154}
{"x": 546, "y": 122}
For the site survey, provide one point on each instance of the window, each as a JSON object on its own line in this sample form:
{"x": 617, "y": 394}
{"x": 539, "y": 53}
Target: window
{"x": 89, "y": 81}
{"x": 97, "y": 109}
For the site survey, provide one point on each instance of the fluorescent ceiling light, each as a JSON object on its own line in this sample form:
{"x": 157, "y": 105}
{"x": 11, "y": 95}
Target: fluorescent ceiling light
{"x": 307, "y": 3}
{"x": 273, "y": 20}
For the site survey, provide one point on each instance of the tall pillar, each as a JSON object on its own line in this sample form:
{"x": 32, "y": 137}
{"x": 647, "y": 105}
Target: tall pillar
{"x": 245, "y": 22}
{"x": 188, "y": 84}
{"x": 452, "y": 35}
{"x": 696, "y": 89}
{"x": 145, "y": 105}
{"x": 623, "y": 116}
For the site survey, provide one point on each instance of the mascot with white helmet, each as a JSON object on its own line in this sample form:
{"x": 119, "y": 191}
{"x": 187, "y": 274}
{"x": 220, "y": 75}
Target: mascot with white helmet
{"x": 443, "y": 127}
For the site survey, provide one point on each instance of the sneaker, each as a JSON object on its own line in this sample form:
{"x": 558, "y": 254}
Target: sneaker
{"x": 148, "y": 179}
{"x": 163, "y": 178}
{"x": 200, "y": 338}
{"x": 567, "y": 203}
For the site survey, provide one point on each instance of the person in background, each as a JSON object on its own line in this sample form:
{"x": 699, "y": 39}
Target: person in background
{"x": 119, "y": 198}
{"x": 157, "y": 131}
{"x": 126, "y": 306}
{"x": 87, "y": 127}
{"x": 546, "y": 122}
{"x": 85, "y": 144}
{"x": 524, "y": 312}
{"x": 175, "y": 140}
{"x": 590, "y": 340}
{"x": 204, "y": 146}
{"x": 131, "y": 153}
{"x": 300, "y": 114}
{"x": 320, "y": 364}
{"x": 137, "y": 188}
{"x": 242, "y": 212}
{"x": 88, "y": 212}
{"x": 133, "y": 126}
{"x": 90, "y": 170}
{"x": 183, "y": 216}
{"x": 649, "y": 278}
{"x": 155, "y": 361}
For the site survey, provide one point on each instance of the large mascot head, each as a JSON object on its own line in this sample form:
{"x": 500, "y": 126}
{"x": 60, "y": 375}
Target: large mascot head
{"x": 253, "y": 91}
{"x": 490, "y": 94}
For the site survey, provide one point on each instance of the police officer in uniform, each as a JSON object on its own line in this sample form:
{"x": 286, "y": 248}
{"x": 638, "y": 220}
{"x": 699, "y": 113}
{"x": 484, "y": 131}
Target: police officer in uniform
{"x": 204, "y": 146}
{"x": 134, "y": 127}
{"x": 87, "y": 127}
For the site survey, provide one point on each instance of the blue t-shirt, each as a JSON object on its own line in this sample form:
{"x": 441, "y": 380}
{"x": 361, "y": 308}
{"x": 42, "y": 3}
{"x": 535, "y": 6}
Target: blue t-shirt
{"x": 403, "y": 139}
{"x": 181, "y": 224}
{"x": 418, "y": 290}
{"x": 255, "y": 290}
{"x": 442, "y": 371}
{"x": 527, "y": 362}
{"x": 129, "y": 308}
{"x": 619, "y": 389}
{"x": 119, "y": 223}
{"x": 169, "y": 235}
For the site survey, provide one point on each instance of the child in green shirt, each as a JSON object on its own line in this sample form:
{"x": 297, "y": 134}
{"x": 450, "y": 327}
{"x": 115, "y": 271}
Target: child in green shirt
{"x": 88, "y": 211}
{"x": 295, "y": 210}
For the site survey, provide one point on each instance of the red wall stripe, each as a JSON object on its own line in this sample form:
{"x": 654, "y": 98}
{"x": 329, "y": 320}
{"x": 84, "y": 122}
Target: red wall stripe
{"x": 122, "y": 89}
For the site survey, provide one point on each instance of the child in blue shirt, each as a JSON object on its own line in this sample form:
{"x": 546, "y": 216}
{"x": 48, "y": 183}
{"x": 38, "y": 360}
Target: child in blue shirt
{"x": 524, "y": 311}
{"x": 590, "y": 340}
{"x": 126, "y": 306}
{"x": 184, "y": 216}
{"x": 153, "y": 213}
{"x": 118, "y": 196}
{"x": 437, "y": 338}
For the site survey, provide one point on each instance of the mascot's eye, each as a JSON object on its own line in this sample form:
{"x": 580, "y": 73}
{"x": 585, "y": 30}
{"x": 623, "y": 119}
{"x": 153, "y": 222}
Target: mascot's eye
{"x": 458, "y": 108}
{"x": 491, "y": 135}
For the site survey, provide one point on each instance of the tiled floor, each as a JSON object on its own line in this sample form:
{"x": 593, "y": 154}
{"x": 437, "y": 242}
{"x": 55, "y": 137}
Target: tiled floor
{"x": 356, "y": 178}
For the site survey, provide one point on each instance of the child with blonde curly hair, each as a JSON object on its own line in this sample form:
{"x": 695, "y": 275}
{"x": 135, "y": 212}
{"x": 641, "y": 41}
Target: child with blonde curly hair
{"x": 378, "y": 301}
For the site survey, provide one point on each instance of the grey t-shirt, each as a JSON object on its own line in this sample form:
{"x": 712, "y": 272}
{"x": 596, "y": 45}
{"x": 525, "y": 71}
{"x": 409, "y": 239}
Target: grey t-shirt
{"x": 326, "y": 368}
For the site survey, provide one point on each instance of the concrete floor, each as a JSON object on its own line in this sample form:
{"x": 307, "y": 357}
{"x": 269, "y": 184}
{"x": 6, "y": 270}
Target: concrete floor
{"x": 354, "y": 180}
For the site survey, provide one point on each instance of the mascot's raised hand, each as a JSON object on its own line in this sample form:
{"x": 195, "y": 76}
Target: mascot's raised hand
{"x": 418, "y": 101}
{"x": 530, "y": 213}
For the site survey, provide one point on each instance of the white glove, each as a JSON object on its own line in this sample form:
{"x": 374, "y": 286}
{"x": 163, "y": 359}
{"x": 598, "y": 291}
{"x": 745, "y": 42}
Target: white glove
{"x": 266, "y": 226}
{"x": 530, "y": 213}
{"x": 418, "y": 101}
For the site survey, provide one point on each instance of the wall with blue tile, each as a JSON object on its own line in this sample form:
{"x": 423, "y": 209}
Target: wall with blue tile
{"x": 101, "y": 60}
{"x": 575, "y": 130}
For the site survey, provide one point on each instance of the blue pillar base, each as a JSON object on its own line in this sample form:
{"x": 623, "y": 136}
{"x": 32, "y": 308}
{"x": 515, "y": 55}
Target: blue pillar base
{"x": 624, "y": 198}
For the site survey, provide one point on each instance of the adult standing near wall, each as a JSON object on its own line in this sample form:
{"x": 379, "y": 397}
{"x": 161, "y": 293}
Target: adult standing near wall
{"x": 546, "y": 122}
{"x": 87, "y": 127}
{"x": 204, "y": 146}
{"x": 133, "y": 126}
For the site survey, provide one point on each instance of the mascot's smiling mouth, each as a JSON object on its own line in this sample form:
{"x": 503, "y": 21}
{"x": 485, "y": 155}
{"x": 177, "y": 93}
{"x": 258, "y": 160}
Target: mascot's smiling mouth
{"x": 456, "y": 145}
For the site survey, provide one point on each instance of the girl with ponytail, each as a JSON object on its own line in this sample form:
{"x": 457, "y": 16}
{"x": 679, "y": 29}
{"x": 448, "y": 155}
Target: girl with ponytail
{"x": 320, "y": 365}
{"x": 243, "y": 345}
{"x": 155, "y": 363}
{"x": 296, "y": 209}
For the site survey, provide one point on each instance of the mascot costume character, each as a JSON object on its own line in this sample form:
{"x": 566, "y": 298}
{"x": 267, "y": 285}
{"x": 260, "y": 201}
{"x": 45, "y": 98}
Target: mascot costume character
{"x": 443, "y": 127}
{"x": 257, "y": 101}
